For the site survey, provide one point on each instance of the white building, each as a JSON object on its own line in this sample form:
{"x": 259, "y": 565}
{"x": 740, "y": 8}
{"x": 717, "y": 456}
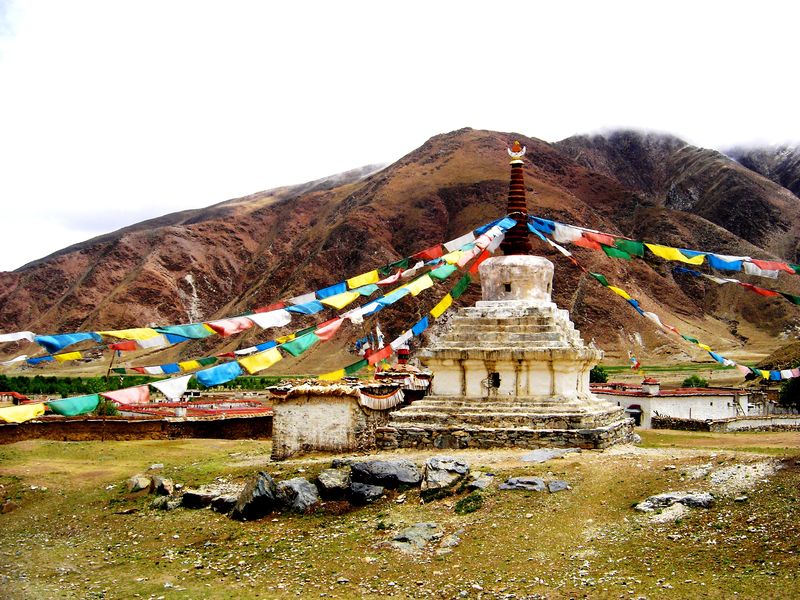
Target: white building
{"x": 642, "y": 402}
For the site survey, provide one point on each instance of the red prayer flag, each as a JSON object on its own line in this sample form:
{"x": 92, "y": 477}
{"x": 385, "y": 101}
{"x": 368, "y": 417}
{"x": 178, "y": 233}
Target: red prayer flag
{"x": 430, "y": 253}
{"x": 769, "y": 265}
{"x": 378, "y": 356}
{"x": 138, "y": 369}
{"x": 275, "y": 306}
{"x": 600, "y": 238}
{"x": 481, "y": 257}
{"x": 585, "y": 242}
{"x": 125, "y": 346}
{"x": 758, "y": 290}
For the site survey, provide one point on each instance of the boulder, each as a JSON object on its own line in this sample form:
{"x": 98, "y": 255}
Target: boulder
{"x": 165, "y": 503}
{"x": 386, "y": 473}
{"x": 137, "y": 483}
{"x": 557, "y": 485}
{"x": 690, "y": 499}
{"x": 224, "y": 503}
{"x": 163, "y": 486}
{"x": 257, "y": 499}
{"x": 364, "y": 493}
{"x": 416, "y": 537}
{"x": 443, "y": 472}
{"x": 297, "y": 494}
{"x": 198, "y": 498}
{"x": 541, "y": 455}
{"x": 532, "y": 484}
{"x": 479, "y": 481}
{"x": 333, "y": 483}
{"x": 339, "y": 463}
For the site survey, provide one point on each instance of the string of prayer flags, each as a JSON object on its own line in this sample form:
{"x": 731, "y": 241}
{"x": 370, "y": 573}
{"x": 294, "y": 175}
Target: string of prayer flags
{"x": 767, "y": 293}
{"x": 21, "y": 413}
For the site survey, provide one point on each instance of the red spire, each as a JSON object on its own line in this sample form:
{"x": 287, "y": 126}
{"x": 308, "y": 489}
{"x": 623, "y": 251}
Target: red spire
{"x": 516, "y": 240}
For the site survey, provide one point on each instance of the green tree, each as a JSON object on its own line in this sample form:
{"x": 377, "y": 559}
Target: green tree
{"x": 695, "y": 382}
{"x": 789, "y": 394}
{"x": 598, "y": 375}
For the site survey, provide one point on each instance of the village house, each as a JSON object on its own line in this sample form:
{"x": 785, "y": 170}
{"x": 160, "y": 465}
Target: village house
{"x": 642, "y": 402}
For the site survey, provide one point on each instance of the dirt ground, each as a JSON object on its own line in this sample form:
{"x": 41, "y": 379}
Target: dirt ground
{"x": 77, "y": 533}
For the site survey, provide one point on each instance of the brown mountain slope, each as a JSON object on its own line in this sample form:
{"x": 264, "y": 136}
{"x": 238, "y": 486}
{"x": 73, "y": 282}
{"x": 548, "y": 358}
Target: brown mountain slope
{"x": 252, "y": 251}
{"x": 780, "y": 164}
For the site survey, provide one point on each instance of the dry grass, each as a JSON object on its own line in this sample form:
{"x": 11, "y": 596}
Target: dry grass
{"x": 72, "y": 540}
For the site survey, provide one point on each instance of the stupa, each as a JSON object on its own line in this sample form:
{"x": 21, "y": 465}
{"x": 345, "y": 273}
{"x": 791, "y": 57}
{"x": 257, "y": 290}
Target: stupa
{"x": 511, "y": 370}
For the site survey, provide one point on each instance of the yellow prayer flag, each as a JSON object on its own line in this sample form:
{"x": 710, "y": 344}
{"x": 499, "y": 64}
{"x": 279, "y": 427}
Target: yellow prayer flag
{"x": 419, "y": 284}
{"x": 443, "y": 305}
{"x": 333, "y": 375}
{"x": 453, "y": 257}
{"x": 620, "y": 292}
{"x": 189, "y": 365}
{"x": 285, "y": 338}
{"x": 340, "y": 300}
{"x": 260, "y": 361}
{"x": 364, "y": 279}
{"x": 668, "y": 253}
{"x": 67, "y": 356}
{"x": 21, "y": 413}
{"x": 704, "y": 347}
{"x": 764, "y": 374}
{"x": 139, "y": 333}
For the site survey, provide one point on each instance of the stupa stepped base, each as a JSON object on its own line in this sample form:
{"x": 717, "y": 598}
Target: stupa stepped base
{"x": 433, "y": 437}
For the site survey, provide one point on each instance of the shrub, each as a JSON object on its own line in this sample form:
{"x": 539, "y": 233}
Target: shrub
{"x": 107, "y": 408}
{"x": 598, "y": 375}
{"x": 469, "y": 503}
{"x": 695, "y": 382}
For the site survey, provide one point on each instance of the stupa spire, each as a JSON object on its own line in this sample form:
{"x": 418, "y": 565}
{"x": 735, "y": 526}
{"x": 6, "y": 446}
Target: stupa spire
{"x": 516, "y": 240}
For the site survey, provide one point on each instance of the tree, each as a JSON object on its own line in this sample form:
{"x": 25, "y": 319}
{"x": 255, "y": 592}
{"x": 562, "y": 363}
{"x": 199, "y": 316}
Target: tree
{"x": 695, "y": 382}
{"x": 598, "y": 375}
{"x": 789, "y": 394}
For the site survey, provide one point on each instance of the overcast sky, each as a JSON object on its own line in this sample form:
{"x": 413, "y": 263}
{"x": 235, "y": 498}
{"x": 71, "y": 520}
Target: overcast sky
{"x": 112, "y": 112}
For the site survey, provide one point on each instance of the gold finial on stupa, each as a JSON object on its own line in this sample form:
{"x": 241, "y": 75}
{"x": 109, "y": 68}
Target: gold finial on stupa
{"x": 516, "y": 152}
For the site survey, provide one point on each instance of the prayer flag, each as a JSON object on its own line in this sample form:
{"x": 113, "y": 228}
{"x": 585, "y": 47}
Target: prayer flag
{"x": 67, "y": 356}
{"x": 54, "y": 343}
{"x": 615, "y": 252}
{"x": 630, "y": 246}
{"x": 209, "y": 360}
{"x": 481, "y": 257}
{"x": 327, "y": 330}
{"x": 619, "y": 292}
{"x": 402, "y": 339}
{"x": 332, "y": 376}
{"x": 138, "y": 333}
{"x": 600, "y": 277}
{"x": 443, "y": 272}
{"x": 305, "y": 298}
{"x": 721, "y": 263}
{"x": 273, "y": 318}
{"x": 392, "y": 267}
{"x": 459, "y": 242}
{"x": 364, "y": 279}
{"x": 420, "y": 326}
{"x": 309, "y": 308}
{"x": 355, "y": 367}
{"x": 173, "y": 388}
{"x": 378, "y": 356}
{"x": 189, "y": 365}
{"x": 263, "y": 360}
{"x": 419, "y": 284}
{"x": 16, "y": 336}
{"x": 133, "y": 395}
{"x": 170, "y": 368}
{"x": 429, "y": 253}
{"x": 442, "y": 306}
{"x": 769, "y": 265}
{"x": 339, "y": 301}
{"x": 585, "y": 242}
{"x": 332, "y": 290}
{"x": 219, "y": 374}
{"x": 156, "y": 341}
{"x": 226, "y": 327}
{"x": 192, "y": 331}
{"x": 79, "y": 405}
{"x": 461, "y": 286}
{"x": 155, "y": 370}
{"x": 21, "y": 413}
{"x": 297, "y": 346}
{"x": 753, "y": 269}
{"x": 669, "y": 253}
{"x": 600, "y": 238}
{"x": 126, "y": 346}
{"x": 367, "y": 290}
{"x": 566, "y": 233}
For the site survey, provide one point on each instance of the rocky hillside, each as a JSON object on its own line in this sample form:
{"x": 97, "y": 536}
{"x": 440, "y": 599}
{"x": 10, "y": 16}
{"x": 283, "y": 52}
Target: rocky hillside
{"x": 780, "y": 164}
{"x": 252, "y": 251}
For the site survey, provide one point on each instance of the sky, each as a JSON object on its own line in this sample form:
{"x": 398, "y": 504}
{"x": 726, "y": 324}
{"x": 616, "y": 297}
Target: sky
{"x": 112, "y": 111}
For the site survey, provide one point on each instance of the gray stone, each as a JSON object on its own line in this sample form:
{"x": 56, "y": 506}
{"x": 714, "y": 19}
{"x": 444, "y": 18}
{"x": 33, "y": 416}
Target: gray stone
{"x": 165, "y": 503}
{"x": 740, "y": 499}
{"x": 163, "y": 486}
{"x": 387, "y": 473}
{"x": 198, "y": 498}
{"x": 224, "y": 503}
{"x": 156, "y": 466}
{"x": 690, "y": 499}
{"x": 541, "y": 455}
{"x": 364, "y": 493}
{"x": 333, "y": 483}
{"x": 339, "y": 463}
{"x": 257, "y": 499}
{"x": 480, "y": 481}
{"x": 532, "y": 484}
{"x": 635, "y": 438}
{"x": 297, "y": 494}
{"x": 443, "y": 472}
{"x": 416, "y": 537}
{"x": 557, "y": 485}
{"x": 137, "y": 483}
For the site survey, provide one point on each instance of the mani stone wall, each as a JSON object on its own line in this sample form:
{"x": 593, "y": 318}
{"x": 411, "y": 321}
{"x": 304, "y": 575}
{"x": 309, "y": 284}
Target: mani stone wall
{"x": 319, "y": 421}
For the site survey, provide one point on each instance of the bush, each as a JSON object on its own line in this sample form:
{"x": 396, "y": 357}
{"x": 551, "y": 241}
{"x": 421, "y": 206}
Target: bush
{"x": 598, "y": 375}
{"x": 106, "y": 408}
{"x": 469, "y": 503}
{"x": 695, "y": 382}
{"x": 789, "y": 394}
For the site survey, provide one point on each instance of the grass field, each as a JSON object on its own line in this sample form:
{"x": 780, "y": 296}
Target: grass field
{"x": 85, "y": 537}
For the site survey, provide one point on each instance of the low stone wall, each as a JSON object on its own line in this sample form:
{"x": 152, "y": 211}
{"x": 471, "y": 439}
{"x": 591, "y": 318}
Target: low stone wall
{"x": 442, "y": 438}
{"x": 78, "y": 429}
{"x": 757, "y": 423}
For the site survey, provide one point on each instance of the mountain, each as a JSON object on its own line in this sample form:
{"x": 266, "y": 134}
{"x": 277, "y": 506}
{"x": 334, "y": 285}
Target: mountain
{"x": 780, "y": 164}
{"x": 249, "y": 252}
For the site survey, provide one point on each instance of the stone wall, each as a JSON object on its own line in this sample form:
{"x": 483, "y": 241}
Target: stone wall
{"x": 657, "y": 422}
{"x": 755, "y": 423}
{"x": 441, "y": 438}
{"x": 78, "y": 429}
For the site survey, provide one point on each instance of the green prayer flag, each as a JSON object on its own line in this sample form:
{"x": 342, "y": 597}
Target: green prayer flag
{"x": 80, "y": 405}
{"x": 367, "y": 290}
{"x": 299, "y": 345}
{"x": 791, "y": 298}
{"x": 690, "y": 339}
{"x": 615, "y": 252}
{"x": 630, "y": 246}
{"x": 795, "y": 267}
{"x": 461, "y": 286}
{"x": 207, "y": 361}
{"x": 389, "y": 269}
{"x": 305, "y": 331}
{"x": 120, "y": 370}
{"x": 443, "y": 272}
{"x": 601, "y": 278}
{"x": 355, "y": 367}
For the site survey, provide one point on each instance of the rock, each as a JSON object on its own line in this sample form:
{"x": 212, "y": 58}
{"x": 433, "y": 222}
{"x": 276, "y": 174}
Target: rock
{"x": 137, "y": 483}
{"x": 670, "y": 467}
{"x": 163, "y": 486}
{"x": 480, "y": 481}
{"x": 443, "y": 472}
{"x": 387, "y": 473}
{"x": 156, "y": 466}
{"x": 740, "y": 499}
{"x": 333, "y": 483}
{"x": 557, "y": 485}
{"x": 690, "y": 499}
{"x": 339, "y": 463}
{"x": 8, "y": 506}
{"x": 224, "y": 504}
{"x": 416, "y": 537}
{"x": 198, "y": 498}
{"x": 544, "y": 454}
{"x": 297, "y": 494}
{"x": 364, "y": 493}
{"x": 258, "y": 499}
{"x": 635, "y": 439}
{"x": 670, "y": 514}
{"x": 452, "y": 540}
{"x": 165, "y": 503}
{"x": 533, "y": 484}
